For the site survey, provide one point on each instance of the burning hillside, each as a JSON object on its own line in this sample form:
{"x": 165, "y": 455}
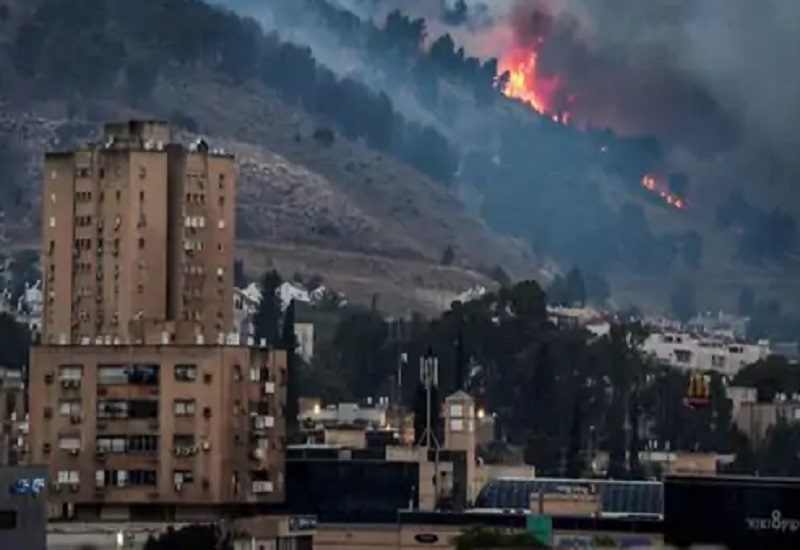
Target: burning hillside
{"x": 554, "y": 65}
{"x": 657, "y": 188}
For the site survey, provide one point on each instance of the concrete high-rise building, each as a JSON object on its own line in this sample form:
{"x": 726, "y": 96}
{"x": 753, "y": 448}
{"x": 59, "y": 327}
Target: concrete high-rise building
{"x": 137, "y": 232}
{"x": 143, "y": 401}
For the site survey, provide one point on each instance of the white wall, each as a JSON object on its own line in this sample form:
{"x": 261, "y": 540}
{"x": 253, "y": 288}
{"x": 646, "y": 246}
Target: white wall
{"x": 682, "y": 350}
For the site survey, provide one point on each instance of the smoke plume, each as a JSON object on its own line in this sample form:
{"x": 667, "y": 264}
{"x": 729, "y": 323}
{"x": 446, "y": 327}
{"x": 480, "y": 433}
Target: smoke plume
{"x": 692, "y": 71}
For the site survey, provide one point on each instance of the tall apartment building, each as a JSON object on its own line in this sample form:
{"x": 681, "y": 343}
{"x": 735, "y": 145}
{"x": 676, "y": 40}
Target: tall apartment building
{"x": 143, "y": 401}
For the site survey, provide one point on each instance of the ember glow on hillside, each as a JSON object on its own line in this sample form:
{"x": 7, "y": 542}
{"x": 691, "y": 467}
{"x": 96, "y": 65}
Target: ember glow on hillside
{"x": 652, "y": 184}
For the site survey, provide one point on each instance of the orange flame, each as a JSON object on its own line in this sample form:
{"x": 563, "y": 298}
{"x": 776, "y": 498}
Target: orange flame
{"x": 650, "y": 183}
{"x": 524, "y": 83}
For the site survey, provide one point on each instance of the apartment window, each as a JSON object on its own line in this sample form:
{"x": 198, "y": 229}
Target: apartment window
{"x": 683, "y": 355}
{"x": 143, "y": 444}
{"x": 222, "y": 201}
{"x": 113, "y": 409}
{"x": 112, "y": 444}
{"x": 718, "y": 361}
{"x": 142, "y": 172}
{"x": 68, "y": 477}
{"x": 139, "y": 374}
{"x": 69, "y": 407}
{"x": 70, "y": 372}
{"x": 182, "y": 442}
{"x": 119, "y": 194}
{"x": 221, "y": 181}
{"x": 184, "y": 407}
{"x": 143, "y": 408}
{"x": 185, "y": 373}
{"x": 52, "y": 221}
{"x": 221, "y": 224}
{"x": 141, "y": 243}
{"x": 125, "y": 478}
{"x": 109, "y": 375}
{"x": 69, "y": 443}
{"x": 181, "y": 477}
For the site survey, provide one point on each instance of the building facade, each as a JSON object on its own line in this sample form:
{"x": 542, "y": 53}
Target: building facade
{"x": 145, "y": 403}
{"x": 137, "y": 231}
{"x": 693, "y": 352}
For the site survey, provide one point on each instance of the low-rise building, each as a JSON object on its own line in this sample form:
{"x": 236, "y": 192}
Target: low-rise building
{"x": 693, "y": 352}
{"x": 172, "y": 432}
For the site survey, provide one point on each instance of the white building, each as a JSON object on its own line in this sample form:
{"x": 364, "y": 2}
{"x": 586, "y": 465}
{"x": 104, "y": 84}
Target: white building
{"x": 687, "y": 351}
{"x": 719, "y": 324}
{"x": 304, "y": 332}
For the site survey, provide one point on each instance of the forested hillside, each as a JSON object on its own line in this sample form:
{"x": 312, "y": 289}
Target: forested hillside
{"x": 326, "y": 163}
{"x": 573, "y": 195}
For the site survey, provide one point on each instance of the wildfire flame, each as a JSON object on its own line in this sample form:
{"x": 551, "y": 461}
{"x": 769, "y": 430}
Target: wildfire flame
{"x": 652, "y": 184}
{"x": 525, "y": 83}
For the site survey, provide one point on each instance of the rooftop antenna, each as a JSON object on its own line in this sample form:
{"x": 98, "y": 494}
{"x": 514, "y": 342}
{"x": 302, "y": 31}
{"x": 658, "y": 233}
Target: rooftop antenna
{"x": 429, "y": 377}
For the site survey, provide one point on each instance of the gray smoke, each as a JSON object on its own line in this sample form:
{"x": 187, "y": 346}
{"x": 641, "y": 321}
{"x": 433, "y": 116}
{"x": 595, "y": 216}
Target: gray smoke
{"x": 742, "y": 53}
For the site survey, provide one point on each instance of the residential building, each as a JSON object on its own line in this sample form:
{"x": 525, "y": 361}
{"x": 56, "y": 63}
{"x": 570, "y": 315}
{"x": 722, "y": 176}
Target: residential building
{"x": 189, "y": 428}
{"x": 690, "y": 351}
{"x": 137, "y": 231}
{"x": 145, "y": 403}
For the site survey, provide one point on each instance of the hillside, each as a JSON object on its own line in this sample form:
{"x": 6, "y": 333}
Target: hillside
{"x": 358, "y": 177}
{"x": 358, "y": 218}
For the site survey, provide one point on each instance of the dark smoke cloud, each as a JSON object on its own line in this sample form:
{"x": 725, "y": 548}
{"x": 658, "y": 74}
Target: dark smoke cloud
{"x": 691, "y": 70}
{"x": 609, "y": 83}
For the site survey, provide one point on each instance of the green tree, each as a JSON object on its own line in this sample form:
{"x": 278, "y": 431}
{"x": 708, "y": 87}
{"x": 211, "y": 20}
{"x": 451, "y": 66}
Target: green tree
{"x": 289, "y": 341}
{"x": 68, "y": 44}
{"x": 770, "y": 376}
{"x": 266, "y": 321}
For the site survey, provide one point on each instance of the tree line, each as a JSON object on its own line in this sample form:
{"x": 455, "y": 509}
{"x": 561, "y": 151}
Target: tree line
{"x": 540, "y": 179}
{"x": 85, "y": 48}
{"x": 557, "y": 392}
